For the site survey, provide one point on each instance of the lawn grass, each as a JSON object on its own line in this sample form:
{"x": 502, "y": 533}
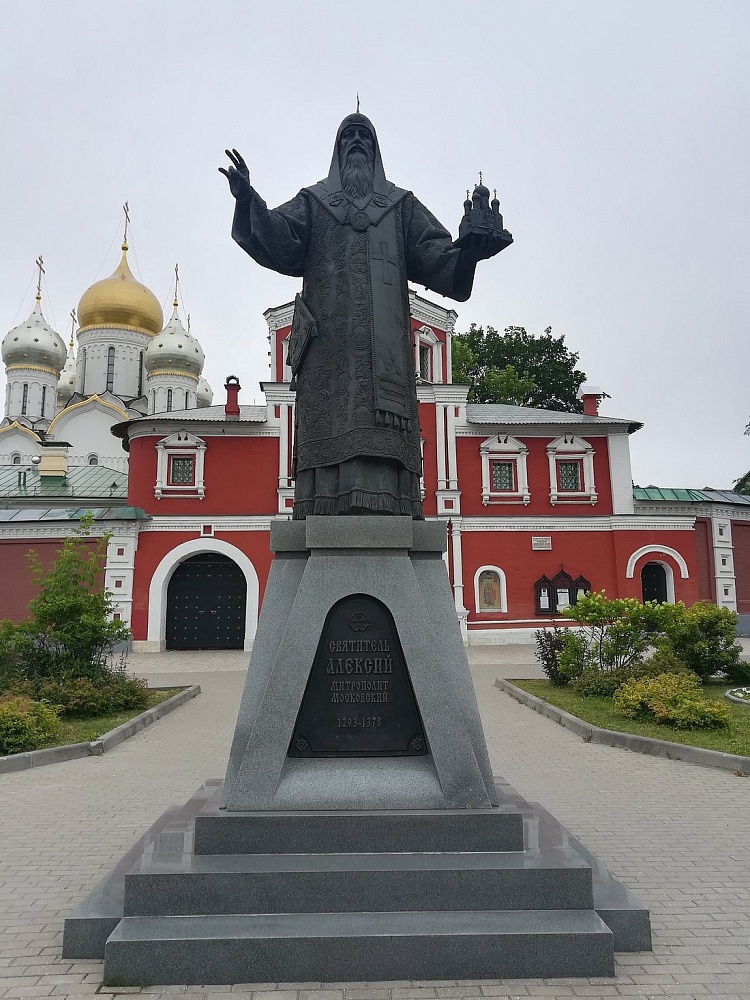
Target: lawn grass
{"x": 734, "y": 739}
{"x": 84, "y": 730}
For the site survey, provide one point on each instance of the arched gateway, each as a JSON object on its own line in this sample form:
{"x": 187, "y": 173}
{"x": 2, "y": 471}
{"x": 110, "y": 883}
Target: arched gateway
{"x": 206, "y": 603}
{"x": 203, "y": 595}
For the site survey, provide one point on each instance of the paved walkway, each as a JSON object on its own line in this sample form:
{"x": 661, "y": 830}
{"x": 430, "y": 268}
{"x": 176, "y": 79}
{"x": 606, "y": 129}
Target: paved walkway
{"x": 677, "y": 834}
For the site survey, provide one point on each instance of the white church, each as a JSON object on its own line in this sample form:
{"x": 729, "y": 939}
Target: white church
{"x": 128, "y": 364}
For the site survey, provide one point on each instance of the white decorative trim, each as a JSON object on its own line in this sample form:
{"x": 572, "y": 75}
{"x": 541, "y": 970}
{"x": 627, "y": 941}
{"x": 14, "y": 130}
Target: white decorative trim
{"x": 220, "y": 523}
{"x": 657, "y": 549}
{"x": 570, "y": 447}
{"x": 507, "y": 448}
{"x": 157, "y": 591}
{"x": 424, "y": 311}
{"x": 425, "y": 335}
{"x": 180, "y": 445}
{"x": 503, "y": 591}
{"x": 606, "y": 522}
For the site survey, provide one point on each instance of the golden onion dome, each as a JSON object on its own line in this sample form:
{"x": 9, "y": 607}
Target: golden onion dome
{"x": 120, "y": 302}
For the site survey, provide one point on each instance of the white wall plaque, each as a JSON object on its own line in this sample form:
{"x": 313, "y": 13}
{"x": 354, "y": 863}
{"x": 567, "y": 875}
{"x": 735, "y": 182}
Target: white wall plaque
{"x": 541, "y": 543}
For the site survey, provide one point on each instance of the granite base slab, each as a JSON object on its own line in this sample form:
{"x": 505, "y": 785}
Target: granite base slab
{"x": 356, "y": 947}
{"x": 170, "y": 841}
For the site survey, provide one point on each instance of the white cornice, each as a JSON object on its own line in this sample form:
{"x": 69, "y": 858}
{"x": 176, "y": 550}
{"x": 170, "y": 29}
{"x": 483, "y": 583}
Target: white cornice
{"x": 219, "y": 523}
{"x": 424, "y": 311}
{"x": 438, "y": 393}
{"x": 607, "y": 522}
{"x": 64, "y": 529}
{"x": 209, "y": 429}
{"x": 541, "y": 430}
{"x": 734, "y": 513}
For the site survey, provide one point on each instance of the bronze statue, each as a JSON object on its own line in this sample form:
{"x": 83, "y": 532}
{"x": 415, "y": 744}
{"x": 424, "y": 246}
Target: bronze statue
{"x": 356, "y": 239}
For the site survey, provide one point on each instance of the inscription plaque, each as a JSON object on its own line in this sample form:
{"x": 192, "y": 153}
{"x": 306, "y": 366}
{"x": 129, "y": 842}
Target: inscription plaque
{"x": 359, "y": 701}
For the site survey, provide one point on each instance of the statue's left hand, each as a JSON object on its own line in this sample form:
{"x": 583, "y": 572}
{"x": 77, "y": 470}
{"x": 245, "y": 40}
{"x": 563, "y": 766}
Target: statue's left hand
{"x": 482, "y": 246}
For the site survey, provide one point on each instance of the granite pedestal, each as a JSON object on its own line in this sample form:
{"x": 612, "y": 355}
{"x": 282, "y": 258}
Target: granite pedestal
{"x": 357, "y": 842}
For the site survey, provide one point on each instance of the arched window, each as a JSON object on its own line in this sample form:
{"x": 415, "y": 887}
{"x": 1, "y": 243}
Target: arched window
{"x": 44, "y": 399}
{"x": 83, "y": 370}
{"x": 111, "y": 369}
{"x": 169, "y": 399}
{"x": 140, "y": 374}
{"x": 93, "y": 460}
{"x": 25, "y": 398}
{"x": 16, "y": 459}
{"x": 490, "y": 591}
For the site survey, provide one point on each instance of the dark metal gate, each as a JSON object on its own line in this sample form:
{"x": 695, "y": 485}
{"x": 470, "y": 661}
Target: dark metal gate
{"x": 654, "y": 583}
{"x": 206, "y": 602}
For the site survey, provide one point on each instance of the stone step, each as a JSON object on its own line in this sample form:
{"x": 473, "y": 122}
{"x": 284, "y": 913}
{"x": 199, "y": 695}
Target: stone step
{"x": 172, "y": 885}
{"x": 357, "y": 947}
{"x": 405, "y": 831}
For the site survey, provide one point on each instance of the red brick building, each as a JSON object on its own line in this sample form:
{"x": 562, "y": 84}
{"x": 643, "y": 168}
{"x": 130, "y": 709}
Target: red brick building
{"x": 538, "y": 507}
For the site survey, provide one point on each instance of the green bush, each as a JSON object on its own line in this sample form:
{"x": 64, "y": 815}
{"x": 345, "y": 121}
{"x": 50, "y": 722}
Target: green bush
{"x": 618, "y": 632}
{"x": 549, "y": 645}
{"x": 26, "y": 725}
{"x": 672, "y": 700}
{"x": 703, "y": 637}
{"x": 82, "y": 698}
{"x": 738, "y": 673}
{"x": 603, "y": 683}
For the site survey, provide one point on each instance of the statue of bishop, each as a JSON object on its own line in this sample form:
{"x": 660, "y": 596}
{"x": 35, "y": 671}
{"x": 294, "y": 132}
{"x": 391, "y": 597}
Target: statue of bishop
{"x": 355, "y": 239}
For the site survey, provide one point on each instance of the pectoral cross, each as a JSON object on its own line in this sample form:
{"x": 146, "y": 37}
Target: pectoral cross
{"x": 384, "y": 261}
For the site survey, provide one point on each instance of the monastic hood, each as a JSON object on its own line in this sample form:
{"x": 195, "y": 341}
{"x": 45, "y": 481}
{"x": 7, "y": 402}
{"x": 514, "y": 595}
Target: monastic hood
{"x": 333, "y": 183}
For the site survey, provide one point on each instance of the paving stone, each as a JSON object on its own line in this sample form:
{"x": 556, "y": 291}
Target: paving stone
{"x": 674, "y": 832}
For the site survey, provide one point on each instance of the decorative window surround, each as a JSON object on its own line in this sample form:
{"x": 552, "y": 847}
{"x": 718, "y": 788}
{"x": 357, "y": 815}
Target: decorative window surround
{"x": 425, "y": 337}
{"x": 180, "y": 445}
{"x": 503, "y": 608}
{"x": 569, "y": 448}
{"x": 503, "y": 447}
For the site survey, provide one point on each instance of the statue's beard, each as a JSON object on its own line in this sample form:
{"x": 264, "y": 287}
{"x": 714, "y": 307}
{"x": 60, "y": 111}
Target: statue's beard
{"x": 357, "y": 172}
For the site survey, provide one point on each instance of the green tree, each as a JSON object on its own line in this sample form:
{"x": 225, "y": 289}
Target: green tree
{"x": 742, "y": 485}
{"x": 518, "y": 368}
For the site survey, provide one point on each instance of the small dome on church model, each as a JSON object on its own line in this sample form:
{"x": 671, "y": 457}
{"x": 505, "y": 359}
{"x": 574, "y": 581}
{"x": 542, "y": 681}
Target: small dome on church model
{"x": 204, "y": 393}
{"x": 120, "y": 302}
{"x": 67, "y": 384}
{"x": 34, "y": 343}
{"x": 175, "y": 350}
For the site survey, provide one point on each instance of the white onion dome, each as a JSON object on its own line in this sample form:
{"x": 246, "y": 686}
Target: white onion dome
{"x": 204, "y": 394}
{"x": 34, "y": 344}
{"x": 120, "y": 302}
{"x": 174, "y": 351}
{"x": 67, "y": 384}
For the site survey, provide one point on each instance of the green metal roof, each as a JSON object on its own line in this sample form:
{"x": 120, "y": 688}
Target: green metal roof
{"x": 18, "y": 514}
{"x": 81, "y": 481}
{"x": 689, "y": 496}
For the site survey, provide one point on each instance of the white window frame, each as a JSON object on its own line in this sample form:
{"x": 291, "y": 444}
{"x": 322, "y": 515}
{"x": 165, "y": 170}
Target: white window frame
{"x": 503, "y": 609}
{"x": 504, "y": 448}
{"x": 425, "y": 336}
{"x": 180, "y": 445}
{"x": 569, "y": 448}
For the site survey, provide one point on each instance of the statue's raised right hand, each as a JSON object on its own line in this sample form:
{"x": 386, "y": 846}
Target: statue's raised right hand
{"x": 238, "y": 175}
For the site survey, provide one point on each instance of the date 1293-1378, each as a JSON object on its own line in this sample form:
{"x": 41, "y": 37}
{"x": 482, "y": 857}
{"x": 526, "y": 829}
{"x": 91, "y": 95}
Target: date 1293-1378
{"x": 359, "y": 722}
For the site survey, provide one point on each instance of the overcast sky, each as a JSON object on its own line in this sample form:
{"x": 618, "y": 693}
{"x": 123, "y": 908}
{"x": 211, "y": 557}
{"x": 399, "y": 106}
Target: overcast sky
{"x": 616, "y": 134}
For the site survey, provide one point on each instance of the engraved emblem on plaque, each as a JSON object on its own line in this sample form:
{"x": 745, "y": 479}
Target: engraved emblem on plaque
{"x": 359, "y": 701}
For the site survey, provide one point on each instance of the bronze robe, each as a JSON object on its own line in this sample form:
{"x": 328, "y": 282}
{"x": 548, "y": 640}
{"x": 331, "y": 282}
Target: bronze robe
{"x": 357, "y": 442}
